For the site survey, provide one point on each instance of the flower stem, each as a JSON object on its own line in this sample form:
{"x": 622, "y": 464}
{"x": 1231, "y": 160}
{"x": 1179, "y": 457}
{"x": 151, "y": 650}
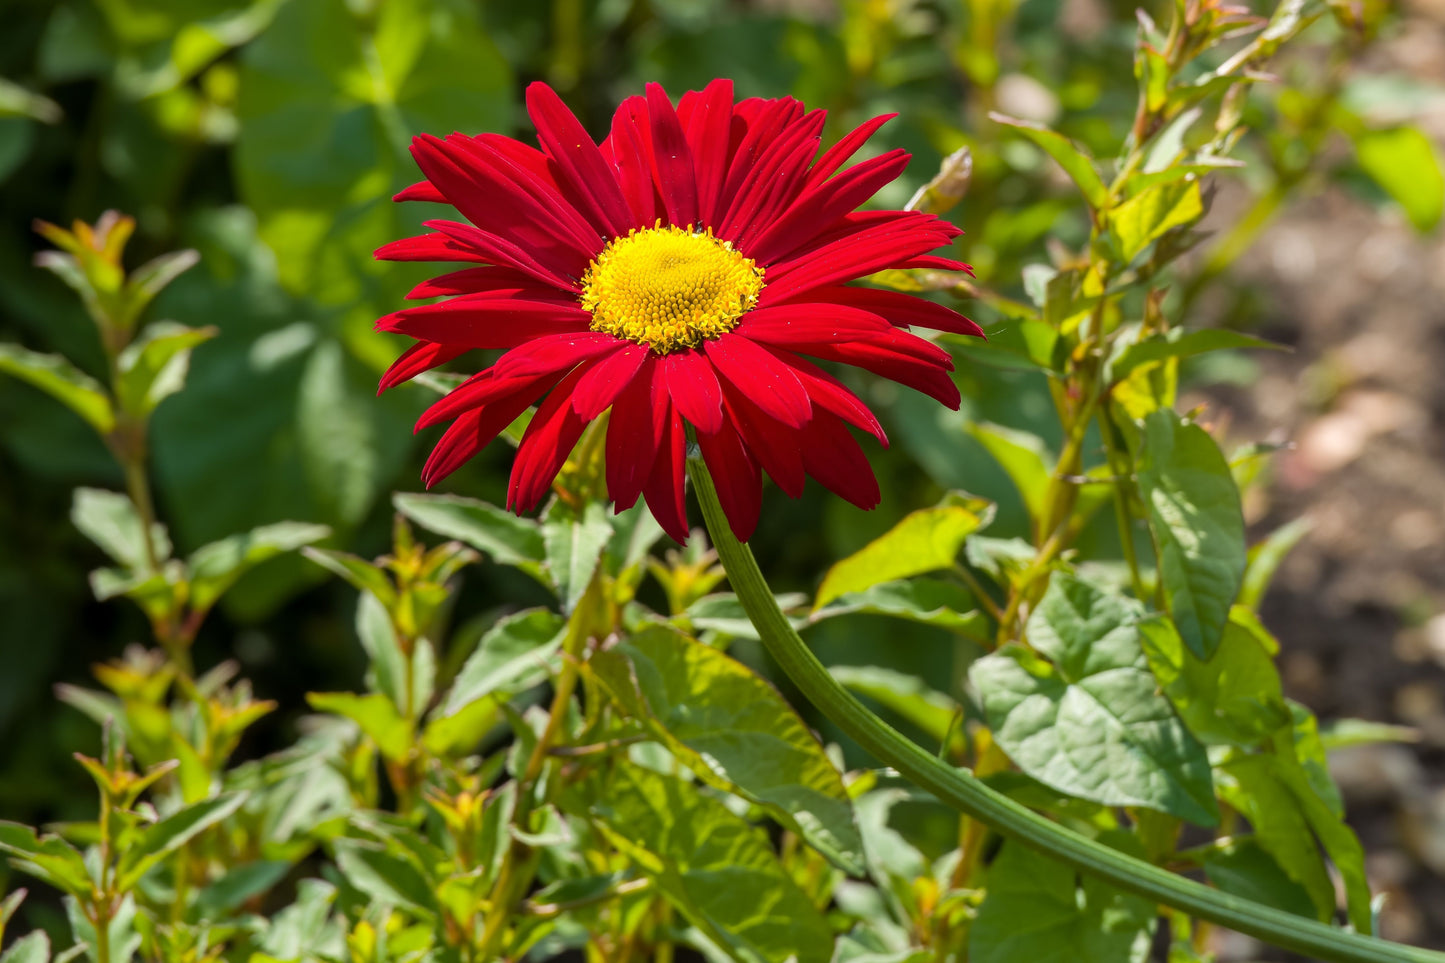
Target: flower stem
{"x": 961, "y": 790}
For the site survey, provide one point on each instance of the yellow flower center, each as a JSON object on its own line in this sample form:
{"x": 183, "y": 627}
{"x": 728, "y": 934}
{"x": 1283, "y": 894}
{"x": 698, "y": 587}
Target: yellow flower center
{"x": 669, "y": 288}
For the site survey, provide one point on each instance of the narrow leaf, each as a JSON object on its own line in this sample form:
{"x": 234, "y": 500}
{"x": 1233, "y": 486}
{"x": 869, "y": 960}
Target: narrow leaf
{"x": 154, "y": 366}
{"x": 63, "y": 381}
{"x": 173, "y": 832}
{"x": 574, "y": 547}
{"x": 514, "y": 654}
{"x": 1072, "y": 158}
{"x": 508, "y": 539}
{"x": 217, "y": 566}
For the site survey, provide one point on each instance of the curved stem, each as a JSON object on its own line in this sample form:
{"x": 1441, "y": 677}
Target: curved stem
{"x": 961, "y": 790}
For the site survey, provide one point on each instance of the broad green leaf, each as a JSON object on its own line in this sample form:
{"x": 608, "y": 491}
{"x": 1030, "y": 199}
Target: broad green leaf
{"x": 31, "y": 948}
{"x": 1070, "y": 157}
{"x": 574, "y": 547}
{"x": 719, "y": 871}
{"x": 214, "y": 568}
{"x": 928, "y": 601}
{"x": 1025, "y": 459}
{"x": 907, "y": 695}
{"x": 47, "y": 858}
{"x": 305, "y": 925}
{"x": 359, "y": 572}
{"x": 1265, "y": 557}
{"x": 1198, "y": 527}
{"x": 924, "y": 541}
{"x": 736, "y": 731}
{"x": 63, "y": 381}
{"x": 153, "y": 367}
{"x": 1023, "y": 345}
{"x": 1041, "y": 911}
{"x": 1233, "y": 699}
{"x": 109, "y": 519}
{"x": 507, "y": 538}
{"x": 374, "y": 713}
{"x": 385, "y": 876}
{"x": 1149, "y": 215}
{"x": 1093, "y": 724}
{"x": 1405, "y": 164}
{"x": 515, "y": 654}
{"x": 1246, "y": 869}
{"x": 173, "y": 832}
{"x": 1178, "y": 343}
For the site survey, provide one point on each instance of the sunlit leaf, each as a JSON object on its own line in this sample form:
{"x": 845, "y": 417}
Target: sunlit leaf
{"x": 516, "y": 653}
{"x": 1404, "y": 162}
{"x": 153, "y": 367}
{"x": 1075, "y": 162}
{"x": 928, "y": 709}
{"x": 173, "y": 832}
{"x": 1143, "y": 219}
{"x": 109, "y": 519}
{"x": 214, "y": 568}
{"x": 928, "y": 601}
{"x": 574, "y": 547}
{"x": 507, "y": 538}
{"x": 63, "y": 381}
{"x": 376, "y": 715}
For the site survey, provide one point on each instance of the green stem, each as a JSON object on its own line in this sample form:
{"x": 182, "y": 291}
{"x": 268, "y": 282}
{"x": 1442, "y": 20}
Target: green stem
{"x": 960, "y": 789}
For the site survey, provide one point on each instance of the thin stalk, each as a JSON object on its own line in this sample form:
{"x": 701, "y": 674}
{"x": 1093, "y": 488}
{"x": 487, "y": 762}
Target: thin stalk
{"x": 961, "y": 790}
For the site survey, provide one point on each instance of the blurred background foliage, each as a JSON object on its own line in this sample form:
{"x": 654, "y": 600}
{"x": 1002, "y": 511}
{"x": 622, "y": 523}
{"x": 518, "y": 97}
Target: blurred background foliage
{"x": 270, "y": 136}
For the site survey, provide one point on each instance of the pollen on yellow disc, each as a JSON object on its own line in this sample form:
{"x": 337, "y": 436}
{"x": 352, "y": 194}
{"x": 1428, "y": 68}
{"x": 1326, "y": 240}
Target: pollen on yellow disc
{"x": 669, "y": 287}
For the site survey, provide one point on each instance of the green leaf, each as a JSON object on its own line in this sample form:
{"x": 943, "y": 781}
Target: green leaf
{"x": 907, "y": 695}
{"x": 153, "y": 367}
{"x": 736, "y": 731}
{"x": 1246, "y": 869}
{"x": 514, "y": 654}
{"x": 386, "y": 663}
{"x": 1040, "y": 911}
{"x": 1363, "y": 732}
{"x": 30, "y": 948}
{"x": 946, "y": 605}
{"x": 1235, "y": 698}
{"x": 723, "y": 612}
{"x": 173, "y": 832}
{"x": 1403, "y": 161}
{"x": 924, "y": 541}
{"x": 1150, "y": 214}
{"x": 239, "y": 884}
{"x": 358, "y": 571}
{"x": 109, "y": 520}
{"x": 63, "y": 381}
{"x": 1198, "y": 527}
{"x": 1072, "y": 158}
{"x": 386, "y": 877}
{"x": 1023, "y": 345}
{"x": 507, "y": 538}
{"x": 215, "y": 567}
{"x": 1093, "y": 724}
{"x": 305, "y": 925}
{"x": 1025, "y": 459}
{"x": 47, "y": 858}
{"x": 1178, "y": 343}
{"x": 374, "y": 713}
{"x": 1265, "y": 557}
{"x": 574, "y": 547}
{"x": 150, "y": 279}
{"x": 719, "y": 871}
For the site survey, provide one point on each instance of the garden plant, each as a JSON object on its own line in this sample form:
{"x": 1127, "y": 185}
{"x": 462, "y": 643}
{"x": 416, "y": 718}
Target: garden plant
{"x": 660, "y": 329}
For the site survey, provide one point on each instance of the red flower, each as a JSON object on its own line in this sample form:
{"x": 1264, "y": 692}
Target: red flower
{"x": 678, "y": 273}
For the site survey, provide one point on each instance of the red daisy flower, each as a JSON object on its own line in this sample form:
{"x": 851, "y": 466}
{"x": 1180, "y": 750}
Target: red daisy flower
{"x": 677, "y": 273}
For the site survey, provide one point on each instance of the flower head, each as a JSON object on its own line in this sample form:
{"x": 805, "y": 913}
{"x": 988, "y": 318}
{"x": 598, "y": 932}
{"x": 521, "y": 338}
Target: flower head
{"x": 678, "y": 273}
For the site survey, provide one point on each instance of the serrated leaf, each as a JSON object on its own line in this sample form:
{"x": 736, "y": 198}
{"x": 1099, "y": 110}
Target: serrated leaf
{"x": 153, "y": 367}
{"x": 736, "y": 731}
{"x": 374, "y": 713}
{"x": 1093, "y": 724}
{"x": 907, "y": 695}
{"x": 173, "y": 832}
{"x": 574, "y": 545}
{"x": 514, "y": 653}
{"x": 924, "y": 541}
{"x": 1072, "y": 158}
{"x": 1404, "y": 162}
{"x": 215, "y": 567}
{"x": 386, "y": 877}
{"x": 1235, "y": 698}
{"x": 1179, "y": 343}
{"x": 63, "y": 381}
{"x": 1149, "y": 215}
{"x": 1198, "y": 526}
{"x": 505, "y": 537}
{"x": 109, "y": 519}
{"x": 927, "y": 601}
{"x": 1040, "y": 911}
{"x": 719, "y": 871}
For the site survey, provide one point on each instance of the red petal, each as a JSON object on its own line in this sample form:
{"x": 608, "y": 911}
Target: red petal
{"x": 555, "y": 352}
{"x": 899, "y": 308}
{"x": 482, "y": 389}
{"x": 936, "y": 263}
{"x": 817, "y": 208}
{"x": 422, "y": 356}
{"x": 608, "y": 377}
{"x": 473, "y": 431}
{"x": 487, "y": 322}
{"x": 664, "y": 489}
{"x": 545, "y": 445}
{"x": 499, "y": 250}
{"x": 428, "y": 247}
{"x": 774, "y": 179}
{"x": 874, "y": 248}
{"x": 775, "y": 446}
{"x": 633, "y": 435}
{"x": 578, "y": 160}
{"x": 804, "y": 323}
{"x": 708, "y": 125}
{"x": 489, "y": 278}
{"x": 693, "y": 386}
{"x": 631, "y": 145}
{"x": 765, "y": 380}
{"x": 831, "y": 454}
{"x": 420, "y": 191}
{"x": 837, "y": 155}
{"x": 832, "y": 395}
{"x": 736, "y": 476}
{"x": 931, "y": 379}
{"x": 755, "y": 130}
{"x": 671, "y": 159}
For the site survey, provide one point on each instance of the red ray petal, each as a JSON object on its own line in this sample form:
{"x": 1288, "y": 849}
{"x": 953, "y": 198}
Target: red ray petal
{"x": 630, "y": 143}
{"x": 936, "y": 263}
{"x": 899, "y": 308}
{"x": 487, "y": 322}
{"x": 872, "y": 249}
{"x": 499, "y": 250}
{"x": 545, "y": 445}
{"x": 420, "y": 191}
{"x": 474, "y": 430}
{"x": 633, "y": 435}
{"x": 707, "y": 125}
{"x": 837, "y": 155}
{"x": 693, "y": 386}
{"x": 774, "y": 178}
{"x": 422, "y": 356}
{"x": 428, "y": 247}
{"x": 736, "y": 476}
{"x": 555, "y": 352}
{"x": 817, "y": 208}
{"x": 775, "y": 446}
{"x": 489, "y": 278}
{"x": 931, "y": 379}
{"x": 769, "y": 383}
{"x": 578, "y": 160}
{"x": 606, "y": 380}
{"x": 664, "y": 489}
{"x": 671, "y": 159}
{"x": 829, "y": 393}
{"x": 803, "y": 323}
{"x": 832, "y": 455}
{"x": 755, "y": 130}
